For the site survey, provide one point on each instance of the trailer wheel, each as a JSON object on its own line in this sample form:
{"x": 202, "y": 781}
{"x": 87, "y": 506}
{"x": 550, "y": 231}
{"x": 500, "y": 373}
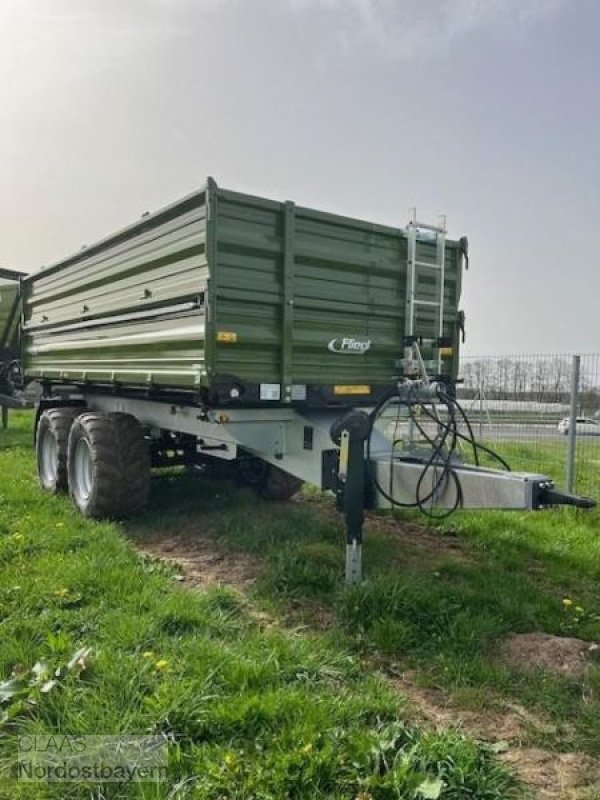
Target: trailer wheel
{"x": 108, "y": 465}
{"x": 270, "y": 482}
{"x": 280, "y": 485}
{"x": 51, "y": 444}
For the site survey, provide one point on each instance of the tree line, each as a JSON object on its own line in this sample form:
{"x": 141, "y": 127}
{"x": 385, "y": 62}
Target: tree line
{"x": 538, "y": 379}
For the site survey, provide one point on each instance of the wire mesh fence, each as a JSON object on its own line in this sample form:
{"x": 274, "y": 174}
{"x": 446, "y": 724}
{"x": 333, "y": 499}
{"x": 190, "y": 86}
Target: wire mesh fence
{"x": 540, "y": 412}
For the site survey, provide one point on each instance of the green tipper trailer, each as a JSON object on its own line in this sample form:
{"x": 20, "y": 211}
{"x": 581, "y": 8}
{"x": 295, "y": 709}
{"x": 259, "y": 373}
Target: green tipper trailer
{"x": 275, "y": 342}
{"x": 236, "y": 299}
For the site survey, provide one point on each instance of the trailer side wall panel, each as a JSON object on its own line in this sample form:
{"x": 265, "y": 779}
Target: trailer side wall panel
{"x": 234, "y": 297}
{"x": 126, "y": 311}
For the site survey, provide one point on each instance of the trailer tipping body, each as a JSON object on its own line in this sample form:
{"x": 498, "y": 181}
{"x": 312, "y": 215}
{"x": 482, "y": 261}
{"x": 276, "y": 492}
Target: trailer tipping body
{"x": 229, "y": 298}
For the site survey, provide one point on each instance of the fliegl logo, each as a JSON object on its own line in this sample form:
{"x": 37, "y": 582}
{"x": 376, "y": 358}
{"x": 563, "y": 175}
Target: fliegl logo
{"x": 349, "y": 344}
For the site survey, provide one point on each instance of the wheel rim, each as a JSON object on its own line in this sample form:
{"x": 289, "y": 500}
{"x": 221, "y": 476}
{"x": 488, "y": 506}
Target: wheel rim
{"x": 83, "y": 470}
{"x": 48, "y": 458}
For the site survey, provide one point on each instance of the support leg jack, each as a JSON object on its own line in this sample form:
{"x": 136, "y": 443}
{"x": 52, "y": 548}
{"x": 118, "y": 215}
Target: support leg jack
{"x": 350, "y": 433}
{"x": 354, "y": 562}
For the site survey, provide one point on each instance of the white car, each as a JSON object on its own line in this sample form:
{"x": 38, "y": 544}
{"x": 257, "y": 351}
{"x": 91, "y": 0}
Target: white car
{"x": 583, "y": 426}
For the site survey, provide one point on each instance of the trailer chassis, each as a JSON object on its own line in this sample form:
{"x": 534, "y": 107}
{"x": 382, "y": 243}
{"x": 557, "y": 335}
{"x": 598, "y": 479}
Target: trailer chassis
{"x": 327, "y": 449}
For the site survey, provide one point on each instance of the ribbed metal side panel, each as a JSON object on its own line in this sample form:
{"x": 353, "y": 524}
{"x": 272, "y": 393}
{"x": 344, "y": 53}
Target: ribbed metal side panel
{"x": 128, "y": 310}
{"x": 223, "y": 286}
{"x": 248, "y": 288}
{"x": 345, "y": 278}
{"x": 351, "y": 282}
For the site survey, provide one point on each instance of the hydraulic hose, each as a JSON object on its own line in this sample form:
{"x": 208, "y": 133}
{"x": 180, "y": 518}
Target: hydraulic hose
{"x": 440, "y": 464}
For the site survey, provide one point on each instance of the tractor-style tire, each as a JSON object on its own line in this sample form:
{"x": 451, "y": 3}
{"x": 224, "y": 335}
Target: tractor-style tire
{"x": 268, "y": 481}
{"x": 108, "y": 465}
{"x": 51, "y": 444}
{"x": 280, "y": 485}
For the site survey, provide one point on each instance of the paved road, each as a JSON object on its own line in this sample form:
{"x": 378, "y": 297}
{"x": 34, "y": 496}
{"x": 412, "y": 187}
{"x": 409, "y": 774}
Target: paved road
{"x": 527, "y": 432}
{"x": 515, "y": 432}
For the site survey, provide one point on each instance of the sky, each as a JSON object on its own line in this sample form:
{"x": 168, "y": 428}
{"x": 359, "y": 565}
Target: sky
{"x": 485, "y": 110}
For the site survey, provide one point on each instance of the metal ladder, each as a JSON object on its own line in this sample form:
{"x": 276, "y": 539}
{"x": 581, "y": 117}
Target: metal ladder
{"x": 416, "y": 265}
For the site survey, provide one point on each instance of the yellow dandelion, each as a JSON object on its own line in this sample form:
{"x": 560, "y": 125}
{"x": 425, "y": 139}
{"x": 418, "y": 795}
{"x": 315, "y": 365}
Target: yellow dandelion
{"x": 147, "y": 654}
{"x": 62, "y": 592}
{"x": 307, "y": 748}
{"x": 162, "y": 664}
{"x": 229, "y": 759}
{"x": 567, "y": 602}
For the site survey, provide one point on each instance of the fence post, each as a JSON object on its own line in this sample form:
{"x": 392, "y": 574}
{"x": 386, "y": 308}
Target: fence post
{"x": 481, "y": 396}
{"x": 572, "y": 434}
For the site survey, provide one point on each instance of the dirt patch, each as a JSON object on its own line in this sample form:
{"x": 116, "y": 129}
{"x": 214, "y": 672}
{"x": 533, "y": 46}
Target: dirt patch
{"x": 419, "y": 539}
{"x": 549, "y": 775}
{"x": 415, "y": 539}
{"x": 555, "y": 776}
{"x": 561, "y": 655}
{"x": 202, "y": 563}
{"x": 508, "y": 723}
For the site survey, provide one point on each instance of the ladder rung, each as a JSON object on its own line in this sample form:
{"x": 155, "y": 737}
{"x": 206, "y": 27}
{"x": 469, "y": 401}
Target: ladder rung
{"x": 424, "y": 226}
{"x": 427, "y": 264}
{"x": 426, "y": 303}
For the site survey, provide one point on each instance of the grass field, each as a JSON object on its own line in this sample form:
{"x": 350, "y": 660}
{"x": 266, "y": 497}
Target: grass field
{"x": 293, "y": 686}
{"x": 549, "y": 458}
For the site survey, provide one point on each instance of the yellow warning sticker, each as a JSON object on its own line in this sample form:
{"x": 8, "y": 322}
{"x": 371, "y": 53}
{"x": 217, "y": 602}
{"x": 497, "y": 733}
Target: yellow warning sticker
{"x": 362, "y": 388}
{"x": 446, "y": 351}
{"x": 226, "y": 336}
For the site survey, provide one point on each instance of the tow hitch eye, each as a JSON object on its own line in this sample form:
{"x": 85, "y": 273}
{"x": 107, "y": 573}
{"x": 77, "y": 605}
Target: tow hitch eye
{"x": 549, "y": 495}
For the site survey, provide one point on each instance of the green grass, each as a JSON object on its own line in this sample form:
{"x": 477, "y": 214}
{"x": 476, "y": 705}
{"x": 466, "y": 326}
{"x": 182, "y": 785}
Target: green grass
{"x": 549, "y": 458}
{"x": 440, "y": 612}
{"x": 252, "y": 711}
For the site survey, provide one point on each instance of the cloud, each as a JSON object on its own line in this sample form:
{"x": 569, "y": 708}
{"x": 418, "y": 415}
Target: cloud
{"x": 405, "y": 29}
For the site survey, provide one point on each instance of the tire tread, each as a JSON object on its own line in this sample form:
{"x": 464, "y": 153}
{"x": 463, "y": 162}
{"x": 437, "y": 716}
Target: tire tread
{"x": 59, "y": 421}
{"x": 121, "y": 464}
